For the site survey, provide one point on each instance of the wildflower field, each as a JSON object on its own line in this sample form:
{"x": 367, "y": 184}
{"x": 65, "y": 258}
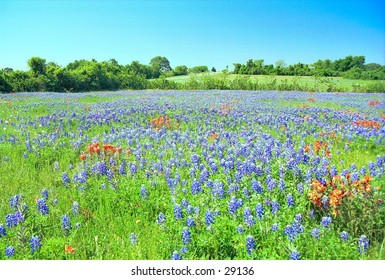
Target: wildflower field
{"x": 192, "y": 175}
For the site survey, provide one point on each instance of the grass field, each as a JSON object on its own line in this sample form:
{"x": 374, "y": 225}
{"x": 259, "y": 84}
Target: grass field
{"x": 192, "y": 175}
{"x": 320, "y": 83}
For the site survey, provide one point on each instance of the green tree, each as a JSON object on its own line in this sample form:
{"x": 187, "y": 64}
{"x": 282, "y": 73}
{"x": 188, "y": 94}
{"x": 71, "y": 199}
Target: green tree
{"x": 37, "y": 66}
{"x": 180, "y": 70}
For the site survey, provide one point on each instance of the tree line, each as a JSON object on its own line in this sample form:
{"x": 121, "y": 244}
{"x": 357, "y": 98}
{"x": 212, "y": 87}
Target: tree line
{"x": 91, "y": 75}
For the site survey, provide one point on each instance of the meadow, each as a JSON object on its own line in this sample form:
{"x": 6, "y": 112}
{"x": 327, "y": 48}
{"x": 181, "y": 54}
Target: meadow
{"x": 192, "y": 175}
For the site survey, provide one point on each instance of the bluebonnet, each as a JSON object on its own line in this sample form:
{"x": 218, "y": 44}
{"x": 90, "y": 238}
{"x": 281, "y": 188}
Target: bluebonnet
{"x": 372, "y": 169}
{"x": 204, "y": 175}
{"x": 344, "y": 235}
{"x": 282, "y": 186}
{"x": 110, "y": 174}
{"x": 270, "y": 183}
{"x": 9, "y": 252}
{"x": 178, "y": 212}
{"x": 133, "y": 168}
{"x": 35, "y": 243}
{"x": 14, "y": 201}
{"x": 256, "y": 186}
{"x": 275, "y": 207}
{"x": 249, "y": 220}
{"x": 143, "y": 192}
{"x": 292, "y": 230}
{"x": 183, "y": 250}
{"x": 55, "y": 201}
{"x": 66, "y": 223}
{"x": 42, "y": 207}
{"x": 122, "y": 168}
{"x": 260, "y": 211}
{"x": 246, "y": 212}
{"x": 316, "y": 233}
{"x": 186, "y": 236}
{"x": 363, "y": 244}
{"x": 363, "y": 171}
{"x": 196, "y": 187}
{"x": 290, "y": 200}
{"x": 209, "y": 217}
{"x": 325, "y": 201}
{"x": 354, "y": 177}
{"x": 274, "y": 227}
{"x": 185, "y": 203}
{"x": 218, "y": 189}
{"x": 176, "y": 256}
{"x": 233, "y": 205}
{"x": 101, "y": 168}
{"x": 75, "y": 208}
{"x": 161, "y": 218}
{"x": 3, "y": 232}
{"x": 250, "y": 244}
{"x": 190, "y": 221}
{"x": 294, "y": 255}
{"x": 133, "y": 238}
{"x": 298, "y": 217}
{"x": 240, "y": 229}
{"x": 13, "y": 220}
{"x": 326, "y": 222}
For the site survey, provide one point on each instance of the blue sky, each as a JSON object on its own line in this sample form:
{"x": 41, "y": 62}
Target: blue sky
{"x": 199, "y": 32}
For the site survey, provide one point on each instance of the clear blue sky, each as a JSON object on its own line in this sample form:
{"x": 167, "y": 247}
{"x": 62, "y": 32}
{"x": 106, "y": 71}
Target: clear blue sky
{"x": 199, "y": 32}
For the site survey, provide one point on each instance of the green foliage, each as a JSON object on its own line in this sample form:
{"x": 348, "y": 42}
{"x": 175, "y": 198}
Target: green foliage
{"x": 199, "y": 69}
{"x": 180, "y": 70}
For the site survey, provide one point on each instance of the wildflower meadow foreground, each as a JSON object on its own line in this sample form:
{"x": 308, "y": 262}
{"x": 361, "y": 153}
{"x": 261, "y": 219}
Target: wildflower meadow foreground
{"x": 192, "y": 175}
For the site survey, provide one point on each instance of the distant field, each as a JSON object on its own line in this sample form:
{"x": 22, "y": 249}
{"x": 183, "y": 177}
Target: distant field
{"x": 323, "y": 83}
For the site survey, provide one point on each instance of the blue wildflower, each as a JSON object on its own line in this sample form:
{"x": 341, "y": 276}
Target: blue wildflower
{"x": 178, "y": 212}
{"x": 66, "y": 223}
{"x": 316, "y": 233}
{"x": 249, "y": 220}
{"x": 190, "y": 221}
{"x": 363, "y": 244}
{"x": 240, "y": 229}
{"x": 275, "y": 207}
{"x": 250, "y": 244}
{"x": 35, "y": 243}
{"x": 75, "y": 208}
{"x": 183, "y": 250}
{"x": 260, "y": 211}
{"x": 294, "y": 255}
{"x": 10, "y": 251}
{"x": 274, "y": 227}
{"x": 196, "y": 187}
{"x": 42, "y": 207}
{"x": 14, "y": 201}
{"x": 176, "y": 256}
{"x": 209, "y": 218}
{"x": 344, "y": 235}
{"x": 290, "y": 200}
{"x": 143, "y": 192}
{"x": 3, "y": 232}
{"x": 256, "y": 186}
{"x": 326, "y": 222}
{"x": 186, "y": 236}
{"x": 161, "y": 218}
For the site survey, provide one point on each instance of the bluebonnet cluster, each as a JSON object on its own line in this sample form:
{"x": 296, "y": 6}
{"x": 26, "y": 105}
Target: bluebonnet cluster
{"x": 326, "y": 222}
{"x": 75, "y": 208}
{"x": 363, "y": 244}
{"x": 344, "y": 236}
{"x": 42, "y": 207}
{"x": 274, "y": 227}
{"x": 290, "y": 200}
{"x": 260, "y": 211}
{"x": 12, "y": 220}
{"x": 35, "y": 243}
{"x": 240, "y": 229}
{"x": 316, "y": 233}
{"x": 293, "y": 230}
{"x": 14, "y": 201}
{"x": 161, "y": 218}
{"x": 294, "y": 255}
{"x": 250, "y": 244}
{"x": 176, "y": 255}
{"x": 186, "y": 236}
{"x": 3, "y": 231}
{"x": 143, "y": 192}
{"x": 9, "y": 252}
{"x": 210, "y": 220}
{"x": 275, "y": 207}
{"x": 66, "y": 224}
{"x": 178, "y": 212}
{"x": 190, "y": 221}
